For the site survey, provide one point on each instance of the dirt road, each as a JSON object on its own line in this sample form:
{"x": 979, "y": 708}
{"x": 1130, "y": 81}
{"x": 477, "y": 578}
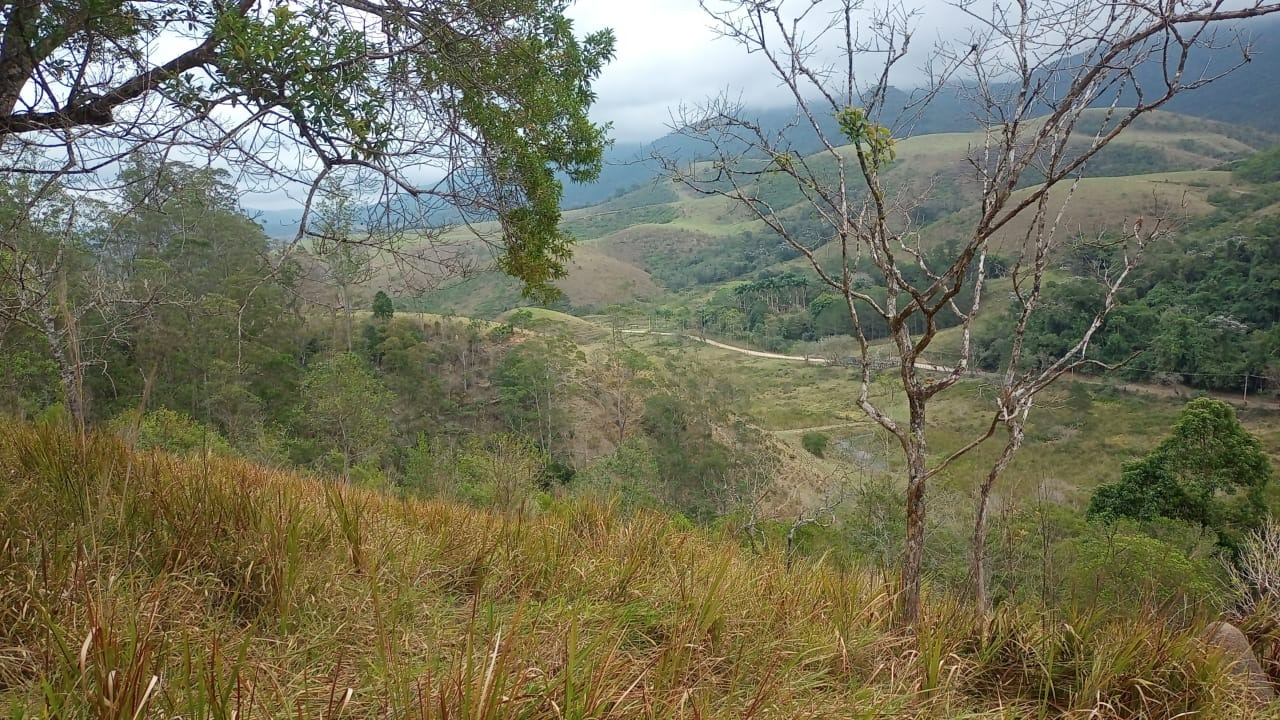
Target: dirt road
{"x": 1168, "y": 391}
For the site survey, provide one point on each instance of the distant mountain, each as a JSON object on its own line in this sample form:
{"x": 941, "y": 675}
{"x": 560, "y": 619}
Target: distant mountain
{"x": 659, "y": 243}
{"x": 276, "y": 223}
{"x": 629, "y": 165}
{"x": 1249, "y": 97}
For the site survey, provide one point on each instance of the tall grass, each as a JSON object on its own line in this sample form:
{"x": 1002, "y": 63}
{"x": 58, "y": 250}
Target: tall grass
{"x": 142, "y": 585}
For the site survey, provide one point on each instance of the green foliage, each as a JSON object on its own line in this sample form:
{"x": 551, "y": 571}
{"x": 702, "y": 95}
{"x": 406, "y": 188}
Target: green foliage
{"x": 1263, "y": 167}
{"x": 28, "y": 380}
{"x": 283, "y": 55}
{"x": 382, "y": 307}
{"x": 348, "y": 411}
{"x": 496, "y": 92}
{"x": 629, "y": 476}
{"x": 816, "y": 443}
{"x": 1123, "y": 570}
{"x": 528, "y": 140}
{"x": 1210, "y": 472}
{"x": 1202, "y": 308}
{"x": 533, "y": 381}
{"x": 875, "y": 140}
{"x": 169, "y": 430}
{"x": 502, "y": 471}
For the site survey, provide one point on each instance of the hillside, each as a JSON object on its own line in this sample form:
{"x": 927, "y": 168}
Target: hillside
{"x": 798, "y": 430}
{"x": 660, "y": 239}
{"x": 149, "y": 585}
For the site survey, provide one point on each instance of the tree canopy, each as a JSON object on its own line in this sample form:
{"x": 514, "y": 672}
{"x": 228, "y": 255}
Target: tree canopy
{"x": 1210, "y": 471}
{"x": 468, "y": 107}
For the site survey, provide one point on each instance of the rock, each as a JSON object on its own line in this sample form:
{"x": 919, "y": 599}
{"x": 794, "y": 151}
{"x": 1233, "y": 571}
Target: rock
{"x": 1240, "y": 658}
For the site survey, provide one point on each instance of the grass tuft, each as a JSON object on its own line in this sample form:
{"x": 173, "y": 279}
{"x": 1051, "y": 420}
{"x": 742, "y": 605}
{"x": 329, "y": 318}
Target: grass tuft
{"x": 141, "y": 585}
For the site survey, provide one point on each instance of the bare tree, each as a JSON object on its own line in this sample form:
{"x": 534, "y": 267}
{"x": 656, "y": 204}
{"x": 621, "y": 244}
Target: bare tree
{"x": 615, "y": 380}
{"x": 1048, "y": 85}
{"x": 822, "y": 514}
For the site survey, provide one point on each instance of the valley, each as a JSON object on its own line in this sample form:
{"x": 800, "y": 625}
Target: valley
{"x": 926, "y": 368}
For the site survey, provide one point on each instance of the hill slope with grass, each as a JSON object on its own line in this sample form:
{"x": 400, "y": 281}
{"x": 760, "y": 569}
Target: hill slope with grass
{"x": 659, "y": 239}
{"x": 149, "y": 585}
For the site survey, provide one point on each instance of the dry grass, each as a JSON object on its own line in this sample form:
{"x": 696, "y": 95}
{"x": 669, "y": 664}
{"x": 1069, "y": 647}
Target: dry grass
{"x": 1102, "y": 205}
{"x": 596, "y": 279}
{"x": 145, "y": 585}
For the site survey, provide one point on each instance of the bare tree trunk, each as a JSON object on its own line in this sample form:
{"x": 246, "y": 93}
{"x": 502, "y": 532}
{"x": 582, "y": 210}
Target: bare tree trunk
{"x": 913, "y": 552}
{"x": 913, "y": 549}
{"x": 346, "y": 312}
{"x": 981, "y": 592}
{"x": 981, "y": 579}
{"x": 68, "y": 370}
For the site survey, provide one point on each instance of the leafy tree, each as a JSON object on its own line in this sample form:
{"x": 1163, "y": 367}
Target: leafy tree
{"x": 348, "y": 409}
{"x": 495, "y": 95}
{"x": 221, "y": 309}
{"x": 382, "y": 307}
{"x": 50, "y": 285}
{"x": 533, "y": 382}
{"x": 28, "y": 379}
{"x": 691, "y": 462}
{"x": 345, "y": 262}
{"x": 1210, "y": 472}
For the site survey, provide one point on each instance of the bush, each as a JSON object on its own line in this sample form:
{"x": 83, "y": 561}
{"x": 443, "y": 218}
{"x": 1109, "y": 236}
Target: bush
{"x": 816, "y": 443}
{"x": 629, "y": 475}
{"x": 1118, "y": 567}
{"x": 501, "y": 470}
{"x": 170, "y": 430}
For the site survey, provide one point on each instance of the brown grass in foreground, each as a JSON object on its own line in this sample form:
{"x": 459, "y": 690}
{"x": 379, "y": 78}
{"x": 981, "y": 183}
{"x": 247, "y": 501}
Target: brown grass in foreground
{"x": 150, "y": 586}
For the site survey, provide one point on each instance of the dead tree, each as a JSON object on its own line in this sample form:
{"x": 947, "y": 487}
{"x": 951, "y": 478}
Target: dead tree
{"x": 1048, "y": 85}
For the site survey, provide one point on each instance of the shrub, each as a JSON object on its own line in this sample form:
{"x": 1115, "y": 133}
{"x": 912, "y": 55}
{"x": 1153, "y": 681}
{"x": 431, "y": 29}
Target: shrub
{"x": 816, "y": 443}
{"x": 169, "y": 430}
{"x": 629, "y": 475}
{"x": 1121, "y": 568}
{"x": 502, "y": 470}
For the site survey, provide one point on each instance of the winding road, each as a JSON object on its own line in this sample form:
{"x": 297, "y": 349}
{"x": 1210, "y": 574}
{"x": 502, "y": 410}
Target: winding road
{"x": 1167, "y": 391}
{"x": 769, "y": 355}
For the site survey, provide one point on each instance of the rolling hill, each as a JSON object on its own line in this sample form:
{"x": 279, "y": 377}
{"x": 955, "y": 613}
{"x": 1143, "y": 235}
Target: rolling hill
{"x": 660, "y": 239}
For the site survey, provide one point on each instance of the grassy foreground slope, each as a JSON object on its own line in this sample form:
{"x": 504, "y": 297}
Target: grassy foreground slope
{"x": 145, "y": 585}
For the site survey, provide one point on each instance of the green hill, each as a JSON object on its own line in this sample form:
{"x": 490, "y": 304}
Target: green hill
{"x": 660, "y": 238}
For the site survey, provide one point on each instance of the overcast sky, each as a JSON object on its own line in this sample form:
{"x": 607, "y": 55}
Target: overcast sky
{"x": 667, "y": 53}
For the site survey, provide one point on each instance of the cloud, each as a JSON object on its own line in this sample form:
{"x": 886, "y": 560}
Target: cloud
{"x": 668, "y": 54}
